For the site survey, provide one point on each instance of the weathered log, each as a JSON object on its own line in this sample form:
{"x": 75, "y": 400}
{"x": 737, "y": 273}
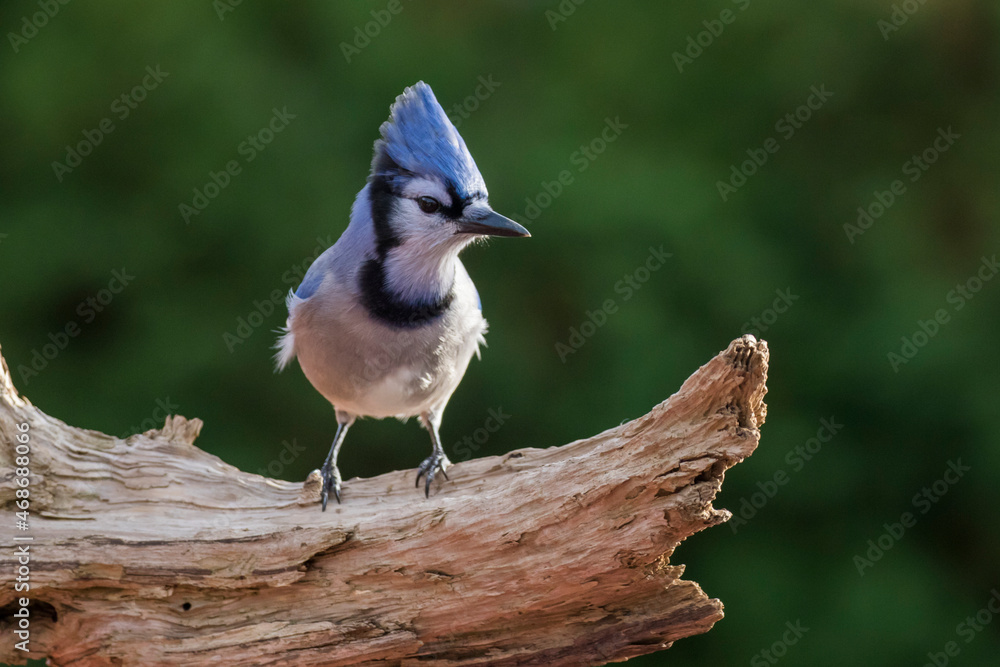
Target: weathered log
{"x": 149, "y": 551}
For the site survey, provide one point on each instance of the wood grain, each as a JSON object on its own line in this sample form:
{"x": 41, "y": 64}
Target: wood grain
{"x": 149, "y": 551}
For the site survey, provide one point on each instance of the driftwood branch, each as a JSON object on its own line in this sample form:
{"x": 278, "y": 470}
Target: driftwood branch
{"x": 148, "y": 551}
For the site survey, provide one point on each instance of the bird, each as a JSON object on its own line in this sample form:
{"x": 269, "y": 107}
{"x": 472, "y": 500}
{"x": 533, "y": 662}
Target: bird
{"x": 386, "y": 320}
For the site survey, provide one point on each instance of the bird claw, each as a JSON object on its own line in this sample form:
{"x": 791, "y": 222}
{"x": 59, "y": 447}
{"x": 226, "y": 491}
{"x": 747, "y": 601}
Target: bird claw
{"x": 331, "y": 482}
{"x": 430, "y": 467}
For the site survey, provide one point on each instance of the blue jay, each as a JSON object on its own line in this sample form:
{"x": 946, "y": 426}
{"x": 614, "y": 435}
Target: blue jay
{"x": 386, "y": 320}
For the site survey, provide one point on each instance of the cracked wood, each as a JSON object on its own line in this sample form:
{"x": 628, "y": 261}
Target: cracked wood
{"x": 149, "y": 551}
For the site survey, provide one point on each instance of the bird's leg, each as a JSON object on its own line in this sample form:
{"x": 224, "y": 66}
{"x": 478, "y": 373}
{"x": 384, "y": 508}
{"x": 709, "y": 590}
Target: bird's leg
{"x": 329, "y": 471}
{"x": 438, "y": 460}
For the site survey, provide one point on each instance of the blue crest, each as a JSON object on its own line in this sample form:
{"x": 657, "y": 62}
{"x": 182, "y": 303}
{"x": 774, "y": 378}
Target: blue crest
{"x": 420, "y": 139}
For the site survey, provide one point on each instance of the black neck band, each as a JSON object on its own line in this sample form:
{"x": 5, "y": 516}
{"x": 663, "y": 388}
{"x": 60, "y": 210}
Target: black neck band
{"x": 375, "y": 295}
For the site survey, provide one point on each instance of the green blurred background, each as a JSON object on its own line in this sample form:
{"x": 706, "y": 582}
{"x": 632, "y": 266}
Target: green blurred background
{"x": 555, "y": 78}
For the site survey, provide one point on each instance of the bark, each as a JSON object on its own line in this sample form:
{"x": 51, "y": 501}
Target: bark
{"x": 149, "y": 551}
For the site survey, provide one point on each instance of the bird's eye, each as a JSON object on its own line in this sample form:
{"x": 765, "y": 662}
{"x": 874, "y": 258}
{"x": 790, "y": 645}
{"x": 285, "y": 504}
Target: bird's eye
{"x": 428, "y": 204}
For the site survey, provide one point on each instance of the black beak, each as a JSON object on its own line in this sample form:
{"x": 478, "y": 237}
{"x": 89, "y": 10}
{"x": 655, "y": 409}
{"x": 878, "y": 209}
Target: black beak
{"x": 492, "y": 224}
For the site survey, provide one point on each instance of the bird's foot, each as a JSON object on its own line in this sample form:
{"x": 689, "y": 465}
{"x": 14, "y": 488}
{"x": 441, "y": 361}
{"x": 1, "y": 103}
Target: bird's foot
{"x": 331, "y": 482}
{"x": 430, "y": 467}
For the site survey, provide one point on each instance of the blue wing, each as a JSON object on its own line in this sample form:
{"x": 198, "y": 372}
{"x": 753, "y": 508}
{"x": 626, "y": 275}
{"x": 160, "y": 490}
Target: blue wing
{"x": 314, "y": 276}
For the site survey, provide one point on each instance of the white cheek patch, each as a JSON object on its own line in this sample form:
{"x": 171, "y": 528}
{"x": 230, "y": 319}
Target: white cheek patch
{"x": 442, "y": 234}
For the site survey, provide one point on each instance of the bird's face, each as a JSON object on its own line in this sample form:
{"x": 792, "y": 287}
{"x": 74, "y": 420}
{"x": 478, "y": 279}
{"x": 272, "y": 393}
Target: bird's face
{"x": 435, "y": 213}
{"x": 425, "y": 189}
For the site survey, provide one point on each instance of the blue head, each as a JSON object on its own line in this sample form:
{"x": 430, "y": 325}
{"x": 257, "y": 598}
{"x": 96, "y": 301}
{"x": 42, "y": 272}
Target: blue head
{"x": 424, "y": 183}
{"x": 419, "y": 139}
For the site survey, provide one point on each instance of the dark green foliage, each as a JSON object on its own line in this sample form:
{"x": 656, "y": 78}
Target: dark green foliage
{"x": 778, "y": 241}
